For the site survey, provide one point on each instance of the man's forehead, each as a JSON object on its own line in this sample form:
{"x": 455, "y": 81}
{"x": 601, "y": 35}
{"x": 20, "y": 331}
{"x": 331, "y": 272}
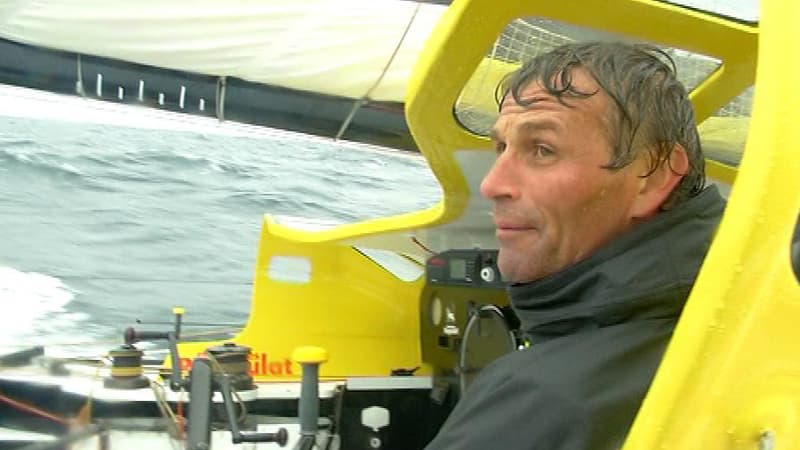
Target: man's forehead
{"x": 542, "y": 109}
{"x": 503, "y": 125}
{"x": 535, "y": 96}
{"x": 532, "y": 97}
{"x": 534, "y": 91}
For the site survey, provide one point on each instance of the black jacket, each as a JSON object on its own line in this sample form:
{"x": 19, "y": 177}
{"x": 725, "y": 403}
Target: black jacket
{"x": 598, "y": 331}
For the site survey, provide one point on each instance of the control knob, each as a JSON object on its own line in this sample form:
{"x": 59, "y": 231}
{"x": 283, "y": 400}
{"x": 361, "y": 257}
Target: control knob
{"x": 488, "y": 274}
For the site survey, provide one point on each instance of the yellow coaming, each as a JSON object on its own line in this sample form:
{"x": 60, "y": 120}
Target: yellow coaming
{"x": 731, "y": 376}
{"x": 365, "y": 317}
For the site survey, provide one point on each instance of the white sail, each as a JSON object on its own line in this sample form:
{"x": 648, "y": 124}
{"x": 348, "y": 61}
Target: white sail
{"x": 342, "y": 48}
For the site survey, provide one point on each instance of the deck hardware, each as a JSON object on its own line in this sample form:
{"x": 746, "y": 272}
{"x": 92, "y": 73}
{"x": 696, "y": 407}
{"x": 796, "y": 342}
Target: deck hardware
{"x": 280, "y": 437}
{"x": 203, "y": 382}
{"x": 310, "y": 358}
{"x": 221, "y": 84}
{"x": 767, "y": 440}
{"x": 133, "y": 336}
{"x": 233, "y": 360}
{"x": 79, "y": 82}
{"x": 126, "y": 369}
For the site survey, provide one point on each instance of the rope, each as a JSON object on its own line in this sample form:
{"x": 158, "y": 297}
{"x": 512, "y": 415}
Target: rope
{"x": 218, "y": 366}
{"x": 175, "y": 421}
{"x": 181, "y": 417}
{"x": 84, "y": 416}
{"x": 366, "y": 97}
{"x": 421, "y": 245}
{"x": 34, "y": 410}
{"x": 236, "y": 367}
{"x": 394, "y": 53}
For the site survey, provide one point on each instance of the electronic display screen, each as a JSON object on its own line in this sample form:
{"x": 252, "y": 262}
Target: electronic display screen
{"x": 458, "y": 269}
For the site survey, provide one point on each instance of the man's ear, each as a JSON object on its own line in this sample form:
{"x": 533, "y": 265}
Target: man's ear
{"x": 656, "y": 187}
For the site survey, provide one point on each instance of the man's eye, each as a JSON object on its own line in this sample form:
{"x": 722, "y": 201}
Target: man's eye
{"x": 499, "y": 147}
{"x": 543, "y": 151}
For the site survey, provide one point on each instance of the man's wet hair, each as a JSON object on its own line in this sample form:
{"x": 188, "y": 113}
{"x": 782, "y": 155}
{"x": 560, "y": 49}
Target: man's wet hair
{"x": 652, "y": 111}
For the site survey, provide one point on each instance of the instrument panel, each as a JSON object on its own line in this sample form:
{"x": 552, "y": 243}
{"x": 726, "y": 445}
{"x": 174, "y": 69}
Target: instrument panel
{"x": 466, "y": 319}
{"x": 472, "y": 268}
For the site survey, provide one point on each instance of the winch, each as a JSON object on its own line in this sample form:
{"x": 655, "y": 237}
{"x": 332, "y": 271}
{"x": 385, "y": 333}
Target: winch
{"x": 233, "y": 360}
{"x": 126, "y": 369}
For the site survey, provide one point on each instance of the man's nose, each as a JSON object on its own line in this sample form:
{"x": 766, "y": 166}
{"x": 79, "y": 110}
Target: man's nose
{"x": 500, "y": 181}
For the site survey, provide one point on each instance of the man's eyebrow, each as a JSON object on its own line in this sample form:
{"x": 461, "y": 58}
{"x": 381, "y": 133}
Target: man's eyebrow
{"x": 537, "y": 125}
{"x": 528, "y": 126}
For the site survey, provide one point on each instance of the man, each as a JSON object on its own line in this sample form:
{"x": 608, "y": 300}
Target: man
{"x": 603, "y": 223}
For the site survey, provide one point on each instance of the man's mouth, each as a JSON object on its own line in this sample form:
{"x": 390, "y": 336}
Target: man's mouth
{"x": 505, "y": 229}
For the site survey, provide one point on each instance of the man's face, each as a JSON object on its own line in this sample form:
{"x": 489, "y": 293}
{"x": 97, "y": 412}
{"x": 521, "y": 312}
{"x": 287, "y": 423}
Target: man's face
{"x": 554, "y": 203}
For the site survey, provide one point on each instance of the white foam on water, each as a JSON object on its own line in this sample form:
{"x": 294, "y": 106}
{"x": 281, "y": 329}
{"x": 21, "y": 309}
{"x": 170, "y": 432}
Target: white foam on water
{"x": 35, "y": 313}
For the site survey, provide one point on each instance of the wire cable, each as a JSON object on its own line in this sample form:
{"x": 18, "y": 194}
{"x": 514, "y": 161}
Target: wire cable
{"x": 421, "y": 245}
{"x": 368, "y": 94}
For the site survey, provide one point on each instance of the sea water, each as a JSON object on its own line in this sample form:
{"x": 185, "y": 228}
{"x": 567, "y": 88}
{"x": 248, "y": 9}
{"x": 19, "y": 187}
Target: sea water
{"x": 112, "y": 216}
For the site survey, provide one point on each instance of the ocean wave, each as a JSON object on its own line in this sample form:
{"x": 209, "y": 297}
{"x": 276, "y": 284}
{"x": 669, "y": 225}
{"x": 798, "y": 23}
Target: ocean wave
{"x": 40, "y": 308}
{"x": 17, "y": 142}
{"x": 184, "y": 161}
{"x": 38, "y": 162}
{"x": 84, "y": 201}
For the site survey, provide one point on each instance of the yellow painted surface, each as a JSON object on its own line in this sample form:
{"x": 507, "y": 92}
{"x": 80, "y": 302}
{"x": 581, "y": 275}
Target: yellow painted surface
{"x": 363, "y": 316}
{"x": 721, "y": 171}
{"x": 475, "y": 94}
{"x": 309, "y": 355}
{"x": 732, "y": 371}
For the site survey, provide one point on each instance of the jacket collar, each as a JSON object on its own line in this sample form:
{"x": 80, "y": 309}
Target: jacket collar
{"x": 644, "y": 273}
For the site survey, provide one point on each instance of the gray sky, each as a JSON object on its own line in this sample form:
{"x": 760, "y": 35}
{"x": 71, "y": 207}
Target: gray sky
{"x": 741, "y": 9}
